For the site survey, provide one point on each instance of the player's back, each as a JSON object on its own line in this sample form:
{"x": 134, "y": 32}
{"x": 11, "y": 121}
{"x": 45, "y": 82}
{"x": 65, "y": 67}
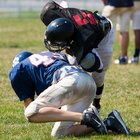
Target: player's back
{"x": 39, "y": 68}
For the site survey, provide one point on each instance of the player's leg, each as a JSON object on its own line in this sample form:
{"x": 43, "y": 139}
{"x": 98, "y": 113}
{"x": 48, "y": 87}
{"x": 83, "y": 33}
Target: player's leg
{"x": 123, "y": 28}
{"x": 91, "y": 119}
{"x": 105, "y": 51}
{"x": 136, "y": 28}
{"x": 80, "y": 101}
{"x": 45, "y": 107}
{"x": 69, "y": 128}
{"x": 82, "y": 89}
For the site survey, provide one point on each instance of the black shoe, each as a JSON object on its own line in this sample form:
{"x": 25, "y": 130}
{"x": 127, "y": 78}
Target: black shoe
{"x": 115, "y": 123}
{"x": 122, "y": 60}
{"x": 92, "y": 119}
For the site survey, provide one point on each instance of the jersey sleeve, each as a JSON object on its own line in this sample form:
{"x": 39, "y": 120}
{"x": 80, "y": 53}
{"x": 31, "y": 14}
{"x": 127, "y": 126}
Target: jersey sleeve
{"x": 22, "y": 85}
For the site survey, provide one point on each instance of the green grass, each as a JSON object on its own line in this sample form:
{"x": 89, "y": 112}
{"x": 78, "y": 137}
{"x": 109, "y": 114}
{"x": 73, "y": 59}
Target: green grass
{"x": 122, "y": 86}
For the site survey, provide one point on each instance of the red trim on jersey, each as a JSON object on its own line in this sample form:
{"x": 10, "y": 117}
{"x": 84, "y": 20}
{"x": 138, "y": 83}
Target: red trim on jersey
{"x": 83, "y": 21}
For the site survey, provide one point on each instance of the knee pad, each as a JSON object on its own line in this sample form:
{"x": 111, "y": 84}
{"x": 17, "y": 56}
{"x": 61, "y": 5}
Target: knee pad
{"x": 90, "y": 62}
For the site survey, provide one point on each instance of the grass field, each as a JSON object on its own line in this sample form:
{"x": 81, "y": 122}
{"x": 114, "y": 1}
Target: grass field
{"x": 122, "y": 86}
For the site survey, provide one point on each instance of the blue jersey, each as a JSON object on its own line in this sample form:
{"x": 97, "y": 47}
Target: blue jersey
{"x": 35, "y": 74}
{"x": 120, "y": 3}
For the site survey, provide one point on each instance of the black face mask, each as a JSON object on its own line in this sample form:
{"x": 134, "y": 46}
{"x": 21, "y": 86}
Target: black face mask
{"x": 55, "y": 46}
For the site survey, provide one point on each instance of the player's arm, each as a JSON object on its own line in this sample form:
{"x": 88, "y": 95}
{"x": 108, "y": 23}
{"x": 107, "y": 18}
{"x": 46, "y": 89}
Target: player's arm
{"x": 27, "y": 102}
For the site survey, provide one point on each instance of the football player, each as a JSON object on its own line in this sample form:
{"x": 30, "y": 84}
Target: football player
{"x": 87, "y": 36}
{"x": 58, "y": 84}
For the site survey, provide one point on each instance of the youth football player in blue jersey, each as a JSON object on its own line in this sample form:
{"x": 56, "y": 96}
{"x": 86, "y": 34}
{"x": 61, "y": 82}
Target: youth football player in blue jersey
{"x": 59, "y": 85}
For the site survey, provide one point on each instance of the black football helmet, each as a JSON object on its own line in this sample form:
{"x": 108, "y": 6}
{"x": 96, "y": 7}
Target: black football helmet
{"x": 20, "y": 57}
{"x": 58, "y": 34}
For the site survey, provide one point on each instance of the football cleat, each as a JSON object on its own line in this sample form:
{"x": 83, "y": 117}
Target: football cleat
{"x": 92, "y": 119}
{"x": 115, "y": 123}
{"x": 122, "y": 60}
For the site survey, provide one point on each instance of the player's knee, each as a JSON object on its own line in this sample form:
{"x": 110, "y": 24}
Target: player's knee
{"x": 30, "y": 112}
{"x": 28, "y": 115}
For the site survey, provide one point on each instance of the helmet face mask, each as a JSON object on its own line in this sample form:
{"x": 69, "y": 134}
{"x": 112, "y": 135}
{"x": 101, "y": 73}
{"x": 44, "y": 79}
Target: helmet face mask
{"x": 58, "y": 34}
{"x": 56, "y": 46}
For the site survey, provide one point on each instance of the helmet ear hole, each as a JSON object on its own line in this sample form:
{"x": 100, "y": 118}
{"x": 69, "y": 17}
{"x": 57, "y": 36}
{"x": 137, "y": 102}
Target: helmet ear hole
{"x": 59, "y": 33}
{"x": 20, "y": 57}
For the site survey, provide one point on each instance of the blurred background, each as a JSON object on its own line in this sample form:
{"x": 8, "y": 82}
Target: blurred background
{"x": 18, "y": 7}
